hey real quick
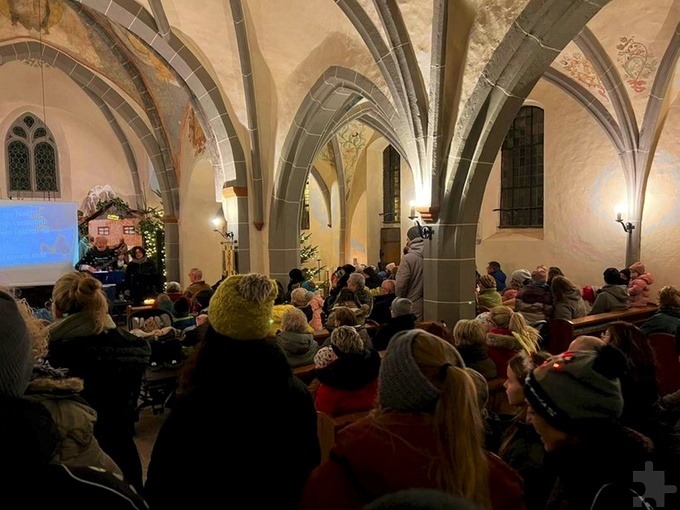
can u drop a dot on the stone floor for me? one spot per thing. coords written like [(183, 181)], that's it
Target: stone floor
[(146, 430)]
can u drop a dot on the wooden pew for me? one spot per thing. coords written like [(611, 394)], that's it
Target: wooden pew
[(328, 427), (666, 356), (563, 331)]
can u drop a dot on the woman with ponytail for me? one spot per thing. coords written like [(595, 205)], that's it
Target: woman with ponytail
[(511, 335), (426, 432), (85, 340)]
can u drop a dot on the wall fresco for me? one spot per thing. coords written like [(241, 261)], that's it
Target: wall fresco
[(637, 61), (579, 67)]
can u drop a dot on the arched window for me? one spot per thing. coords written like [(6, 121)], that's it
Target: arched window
[(391, 185), (522, 171), (31, 156)]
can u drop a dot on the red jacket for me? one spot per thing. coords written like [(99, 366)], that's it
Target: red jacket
[(336, 401), (369, 461)]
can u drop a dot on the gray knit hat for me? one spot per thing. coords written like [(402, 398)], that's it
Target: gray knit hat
[(403, 387), (16, 356)]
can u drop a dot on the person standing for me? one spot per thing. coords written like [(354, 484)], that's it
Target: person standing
[(265, 449), (410, 275)]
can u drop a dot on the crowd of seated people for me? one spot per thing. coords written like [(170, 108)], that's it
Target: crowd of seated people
[(425, 425)]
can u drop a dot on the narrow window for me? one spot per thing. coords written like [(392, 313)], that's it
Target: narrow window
[(522, 171), (304, 221), (391, 185)]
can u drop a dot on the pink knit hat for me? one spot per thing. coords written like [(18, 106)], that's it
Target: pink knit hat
[(638, 268)]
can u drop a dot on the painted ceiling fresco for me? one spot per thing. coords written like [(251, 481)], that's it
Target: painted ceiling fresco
[(170, 98), (352, 138), (60, 26)]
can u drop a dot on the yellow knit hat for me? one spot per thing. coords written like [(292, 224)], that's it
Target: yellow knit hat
[(241, 307)]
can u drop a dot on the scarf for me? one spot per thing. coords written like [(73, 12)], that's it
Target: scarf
[(77, 325)]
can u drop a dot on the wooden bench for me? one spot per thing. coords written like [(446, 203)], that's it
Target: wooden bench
[(563, 331), (666, 356), (328, 427)]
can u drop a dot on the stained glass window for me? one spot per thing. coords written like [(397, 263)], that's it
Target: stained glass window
[(31, 154)]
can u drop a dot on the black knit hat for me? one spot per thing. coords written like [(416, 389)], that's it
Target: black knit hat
[(413, 232), (612, 276)]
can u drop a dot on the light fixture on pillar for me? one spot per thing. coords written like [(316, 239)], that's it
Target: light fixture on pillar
[(229, 258), (426, 232), (628, 227)]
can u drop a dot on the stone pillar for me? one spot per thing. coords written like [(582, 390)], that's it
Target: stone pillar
[(235, 208)]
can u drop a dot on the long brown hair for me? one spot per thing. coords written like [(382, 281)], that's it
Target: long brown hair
[(463, 468), (633, 343)]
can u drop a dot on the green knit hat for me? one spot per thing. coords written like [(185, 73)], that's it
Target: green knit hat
[(241, 308)]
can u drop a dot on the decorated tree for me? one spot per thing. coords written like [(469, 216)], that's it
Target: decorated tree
[(309, 254)]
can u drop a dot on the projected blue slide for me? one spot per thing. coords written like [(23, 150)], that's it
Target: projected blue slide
[(39, 241)]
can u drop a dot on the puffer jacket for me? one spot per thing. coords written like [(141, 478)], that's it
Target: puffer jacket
[(299, 348), (610, 298), (639, 290)]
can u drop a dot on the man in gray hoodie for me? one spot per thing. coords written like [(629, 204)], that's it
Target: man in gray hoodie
[(409, 281), (613, 295)]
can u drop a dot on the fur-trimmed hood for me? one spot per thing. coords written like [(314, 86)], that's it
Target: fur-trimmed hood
[(46, 384), (500, 337)]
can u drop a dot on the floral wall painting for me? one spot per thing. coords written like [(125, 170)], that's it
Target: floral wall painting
[(351, 141), (32, 14), (637, 61), (579, 67)]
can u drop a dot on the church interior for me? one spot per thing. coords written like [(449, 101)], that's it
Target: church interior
[(273, 123)]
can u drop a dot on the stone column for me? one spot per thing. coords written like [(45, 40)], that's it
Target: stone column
[(171, 228)]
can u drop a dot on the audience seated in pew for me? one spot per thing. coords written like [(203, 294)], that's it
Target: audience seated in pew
[(613, 295), (403, 319), (295, 340), (510, 335), (667, 318), (342, 316), (470, 340)]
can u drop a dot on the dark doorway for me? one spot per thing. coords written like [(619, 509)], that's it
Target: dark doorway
[(390, 245)]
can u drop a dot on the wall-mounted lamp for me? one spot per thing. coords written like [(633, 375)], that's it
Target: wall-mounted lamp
[(426, 232), (628, 227)]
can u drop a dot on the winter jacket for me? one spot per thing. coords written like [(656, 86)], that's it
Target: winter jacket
[(299, 348), (571, 306), (316, 303), (638, 289), (112, 365), (409, 282), (370, 460), (534, 302), (74, 419), (596, 472), (257, 455), (477, 358), (392, 327), (381, 308), (610, 298), (489, 298), (666, 320), (500, 278)]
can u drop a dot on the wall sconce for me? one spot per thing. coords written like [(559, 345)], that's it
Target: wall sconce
[(426, 232), (628, 227), (413, 214)]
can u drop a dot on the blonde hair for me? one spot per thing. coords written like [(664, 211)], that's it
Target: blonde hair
[(505, 317), (468, 332), (669, 297), (462, 468), (79, 292), (347, 339), (294, 320)]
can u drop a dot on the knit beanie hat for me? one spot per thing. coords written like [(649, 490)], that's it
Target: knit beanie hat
[(575, 390), (241, 307), (638, 267), (324, 357), (520, 276), (16, 356), (403, 387), (487, 281), (413, 232), (612, 276)]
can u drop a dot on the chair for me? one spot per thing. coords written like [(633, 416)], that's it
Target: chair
[(666, 355), (160, 379), (543, 330)]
